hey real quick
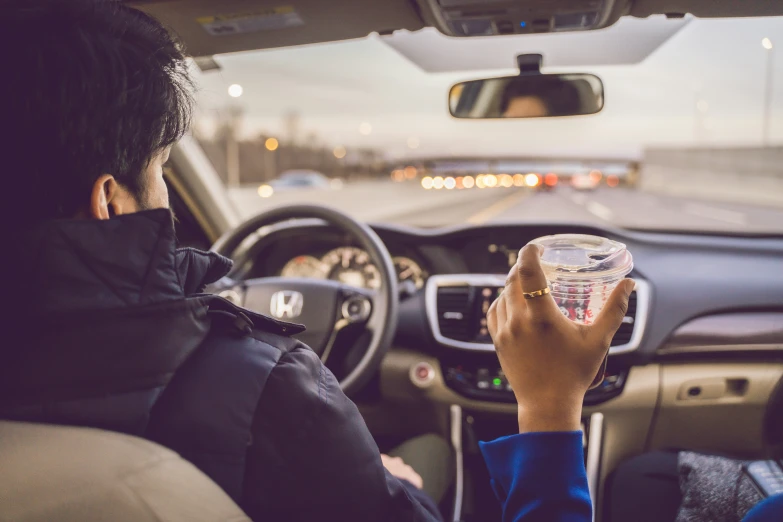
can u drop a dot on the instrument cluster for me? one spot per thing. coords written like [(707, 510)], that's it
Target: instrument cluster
[(352, 266)]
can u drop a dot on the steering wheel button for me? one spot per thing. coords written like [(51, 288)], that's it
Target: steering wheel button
[(356, 309)]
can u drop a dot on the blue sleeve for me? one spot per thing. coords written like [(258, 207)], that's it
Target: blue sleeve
[(539, 477), (769, 510)]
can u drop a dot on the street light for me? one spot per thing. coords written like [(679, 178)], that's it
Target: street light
[(270, 163), (766, 43)]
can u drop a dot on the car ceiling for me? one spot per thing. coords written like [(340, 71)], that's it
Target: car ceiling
[(334, 20)]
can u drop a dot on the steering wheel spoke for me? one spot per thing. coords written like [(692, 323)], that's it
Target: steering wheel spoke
[(355, 309)]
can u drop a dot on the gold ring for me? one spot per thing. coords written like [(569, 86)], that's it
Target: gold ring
[(537, 293)]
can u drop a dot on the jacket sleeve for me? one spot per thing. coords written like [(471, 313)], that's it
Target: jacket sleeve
[(539, 477), (312, 457), (768, 510)]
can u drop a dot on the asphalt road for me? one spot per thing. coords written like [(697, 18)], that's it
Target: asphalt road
[(408, 203)]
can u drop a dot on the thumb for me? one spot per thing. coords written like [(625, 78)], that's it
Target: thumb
[(611, 317)]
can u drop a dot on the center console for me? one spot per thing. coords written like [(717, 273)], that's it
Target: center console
[(468, 427), (457, 306), (481, 378)]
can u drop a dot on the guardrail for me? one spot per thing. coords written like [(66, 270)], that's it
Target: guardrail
[(746, 175)]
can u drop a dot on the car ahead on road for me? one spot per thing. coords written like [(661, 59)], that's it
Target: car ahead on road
[(583, 182), (549, 182), (303, 179), (696, 364)]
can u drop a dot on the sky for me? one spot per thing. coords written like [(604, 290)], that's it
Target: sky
[(703, 86)]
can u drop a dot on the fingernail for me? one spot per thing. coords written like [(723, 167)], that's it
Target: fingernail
[(630, 286)]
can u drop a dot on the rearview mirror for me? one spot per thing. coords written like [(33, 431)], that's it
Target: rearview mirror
[(527, 96)]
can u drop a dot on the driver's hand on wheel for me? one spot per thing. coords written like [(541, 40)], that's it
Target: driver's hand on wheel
[(397, 467), (549, 360)]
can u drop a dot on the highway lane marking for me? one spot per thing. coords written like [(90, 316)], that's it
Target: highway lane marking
[(718, 214), (602, 211), (496, 208)]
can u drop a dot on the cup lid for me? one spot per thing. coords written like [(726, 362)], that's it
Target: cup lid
[(584, 257)]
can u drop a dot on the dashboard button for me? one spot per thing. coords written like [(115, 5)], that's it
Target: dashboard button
[(422, 374)]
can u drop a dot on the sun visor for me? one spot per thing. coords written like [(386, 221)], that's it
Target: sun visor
[(629, 41)]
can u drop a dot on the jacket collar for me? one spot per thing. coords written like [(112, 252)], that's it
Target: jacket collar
[(125, 261)]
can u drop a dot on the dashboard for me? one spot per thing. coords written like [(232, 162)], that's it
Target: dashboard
[(683, 277), (329, 255)]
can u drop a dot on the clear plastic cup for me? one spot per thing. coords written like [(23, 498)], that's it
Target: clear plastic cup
[(582, 271)]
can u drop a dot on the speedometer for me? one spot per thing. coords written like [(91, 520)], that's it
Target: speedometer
[(409, 270), (307, 267), (353, 267)]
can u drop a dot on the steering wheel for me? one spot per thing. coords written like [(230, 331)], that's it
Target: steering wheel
[(325, 307)]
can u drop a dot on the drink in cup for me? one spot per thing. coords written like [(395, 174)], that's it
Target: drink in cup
[(582, 271)]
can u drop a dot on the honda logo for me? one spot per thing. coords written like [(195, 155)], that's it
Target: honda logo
[(286, 304)]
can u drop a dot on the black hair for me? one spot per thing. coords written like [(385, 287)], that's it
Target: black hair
[(90, 87), (558, 96)]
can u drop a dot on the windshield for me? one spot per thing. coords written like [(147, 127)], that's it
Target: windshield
[(691, 138)]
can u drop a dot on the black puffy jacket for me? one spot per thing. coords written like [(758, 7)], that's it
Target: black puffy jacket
[(113, 332)]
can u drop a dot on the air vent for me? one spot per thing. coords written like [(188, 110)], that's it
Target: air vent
[(624, 333), (454, 304), (453, 310)]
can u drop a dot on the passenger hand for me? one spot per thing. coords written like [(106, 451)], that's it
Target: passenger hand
[(549, 360), (399, 469)]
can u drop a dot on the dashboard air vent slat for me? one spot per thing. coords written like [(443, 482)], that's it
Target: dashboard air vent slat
[(624, 333), (454, 311)]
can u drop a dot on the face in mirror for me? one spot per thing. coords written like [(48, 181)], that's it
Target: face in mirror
[(527, 96)]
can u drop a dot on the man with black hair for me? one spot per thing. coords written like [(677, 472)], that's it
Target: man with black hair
[(108, 326)]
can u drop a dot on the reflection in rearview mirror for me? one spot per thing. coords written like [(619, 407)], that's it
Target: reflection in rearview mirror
[(527, 96)]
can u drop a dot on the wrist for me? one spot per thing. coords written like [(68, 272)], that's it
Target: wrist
[(566, 416)]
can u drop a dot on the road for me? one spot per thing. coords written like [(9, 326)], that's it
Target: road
[(408, 203)]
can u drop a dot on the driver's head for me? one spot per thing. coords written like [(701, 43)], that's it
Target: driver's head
[(538, 96), (525, 106), (93, 95)]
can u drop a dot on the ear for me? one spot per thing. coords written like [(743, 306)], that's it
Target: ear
[(103, 200)]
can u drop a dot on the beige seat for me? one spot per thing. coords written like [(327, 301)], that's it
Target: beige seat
[(63, 474)]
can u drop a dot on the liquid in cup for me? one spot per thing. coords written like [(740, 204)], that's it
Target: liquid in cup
[(582, 271)]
